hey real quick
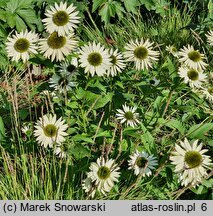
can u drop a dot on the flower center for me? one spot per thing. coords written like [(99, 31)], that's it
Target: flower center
[(63, 82), (113, 59), (60, 18), (50, 130), (193, 159), (141, 53), (193, 74), (210, 90), (56, 42), (141, 162), (21, 45), (194, 56), (103, 173), (71, 68), (152, 82), (95, 59), (174, 49), (129, 115)]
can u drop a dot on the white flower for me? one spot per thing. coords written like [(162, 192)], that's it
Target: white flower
[(104, 174), (61, 19), (141, 53), (94, 58), (208, 93), (192, 58), (142, 163), (89, 187), (69, 67), (117, 63), (128, 116), (190, 162), (209, 36), (62, 82), (49, 131), (60, 151), (173, 50), (56, 47), (192, 76), (21, 45), (25, 129)]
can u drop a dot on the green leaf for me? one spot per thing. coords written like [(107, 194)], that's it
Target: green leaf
[(104, 134), (101, 102), (148, 4), (169, 174), (199, 131), (79, 151), (2, 130), (210, 9), (2, 15), (73, 105), (176, 124), (107, 11), (20, 24), (130, 5), (11, 20), (82, 137), (96, 4), (119, 10)]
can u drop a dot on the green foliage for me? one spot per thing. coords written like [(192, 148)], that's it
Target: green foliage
[(2, 130), (109, 9), (20, 14)]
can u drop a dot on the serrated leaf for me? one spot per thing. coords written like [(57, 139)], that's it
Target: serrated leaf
[(176, 124), (199, 131), (28, 15)]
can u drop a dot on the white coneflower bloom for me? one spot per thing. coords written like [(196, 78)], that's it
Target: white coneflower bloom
[(117, 63), (61, 19), (94, 58), (104, 174), (190, 162), (141, 53), (142, 163), (69, 67), (192, 76), (128, 116), (209, 36), (89, 187), (62, 82), (55, 47), (154, 81), (25, 129), (173, 50), (208, 93), (192, 58), (49, 130), (21, 45), (60, 151)]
